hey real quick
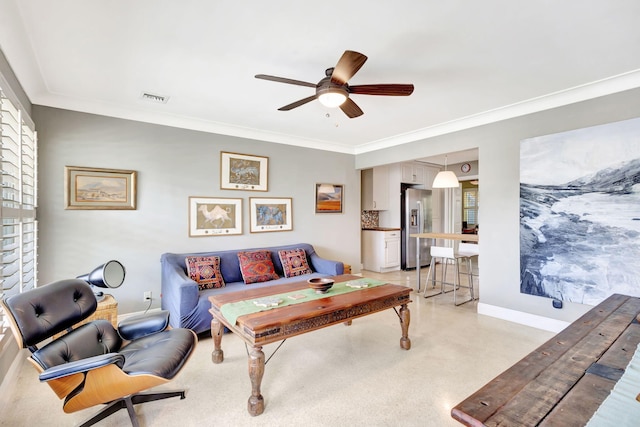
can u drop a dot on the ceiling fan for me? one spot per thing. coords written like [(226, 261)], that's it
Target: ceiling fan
[(333, 90)]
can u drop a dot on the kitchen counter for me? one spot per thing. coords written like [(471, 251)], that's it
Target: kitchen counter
[(382, 229), (447, 236)]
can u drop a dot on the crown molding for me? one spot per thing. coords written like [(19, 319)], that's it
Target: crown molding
[(607, 86)]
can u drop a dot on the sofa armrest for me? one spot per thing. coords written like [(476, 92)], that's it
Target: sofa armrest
[(179, 293), (326, 266)]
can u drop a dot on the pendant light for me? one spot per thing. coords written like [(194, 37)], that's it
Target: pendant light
[(445, 178)]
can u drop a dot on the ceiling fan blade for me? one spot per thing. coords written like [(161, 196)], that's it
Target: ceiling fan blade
[(297, 103), (349, 64), (383, 89), (285, 80), (351, 109)]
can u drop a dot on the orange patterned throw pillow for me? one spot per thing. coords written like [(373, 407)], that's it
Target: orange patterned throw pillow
[(205, 270), (294, 262), (256, 266)]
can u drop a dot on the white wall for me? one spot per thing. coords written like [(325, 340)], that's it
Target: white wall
[(6, 74), (172, 165), (499, 160)]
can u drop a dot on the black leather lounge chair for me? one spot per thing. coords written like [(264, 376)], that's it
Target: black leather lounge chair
[(95, 364)]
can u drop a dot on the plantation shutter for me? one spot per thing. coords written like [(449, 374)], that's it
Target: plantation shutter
[(18, 254)]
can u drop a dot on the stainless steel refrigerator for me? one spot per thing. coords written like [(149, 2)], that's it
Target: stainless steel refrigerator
[(416, 217)]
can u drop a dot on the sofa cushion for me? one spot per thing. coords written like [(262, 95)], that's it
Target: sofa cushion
[(256, 266), (205, 271), (294, 262)]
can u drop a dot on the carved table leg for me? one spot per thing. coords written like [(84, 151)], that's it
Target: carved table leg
[(255, 406), (216, 333), (405, 317)]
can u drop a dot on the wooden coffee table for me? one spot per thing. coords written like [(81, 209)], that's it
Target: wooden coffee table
[(280, 323)]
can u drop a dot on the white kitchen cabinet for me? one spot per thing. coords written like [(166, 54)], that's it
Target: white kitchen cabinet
[(413, 173), (392, 250), (375, 189), (381, 250), (429, 175)]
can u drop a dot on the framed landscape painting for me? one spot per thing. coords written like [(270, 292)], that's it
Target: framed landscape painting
[(329, 198), (243, 172), (270, 214), (214, 216), (95, 188)]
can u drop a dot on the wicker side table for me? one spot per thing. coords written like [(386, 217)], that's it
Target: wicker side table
[(107, 310)]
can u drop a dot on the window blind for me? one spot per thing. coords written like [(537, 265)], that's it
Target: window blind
[(18, 253), (470, 206)]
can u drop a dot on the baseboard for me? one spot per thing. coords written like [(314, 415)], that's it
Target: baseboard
[(121, 317), (522, 318)]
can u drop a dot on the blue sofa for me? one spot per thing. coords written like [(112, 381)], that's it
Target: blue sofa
[(189, 307)]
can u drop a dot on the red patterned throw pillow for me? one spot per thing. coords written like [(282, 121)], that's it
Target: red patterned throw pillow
[(205, 270), (294, 262), (256, 266)]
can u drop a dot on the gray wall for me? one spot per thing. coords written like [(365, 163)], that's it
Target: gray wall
[(499, 160), (172, 165)]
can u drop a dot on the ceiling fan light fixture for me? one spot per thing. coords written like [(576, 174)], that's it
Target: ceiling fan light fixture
[(334, 90), (332, 98)]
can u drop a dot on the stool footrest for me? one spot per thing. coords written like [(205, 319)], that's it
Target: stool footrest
[(444, 256)]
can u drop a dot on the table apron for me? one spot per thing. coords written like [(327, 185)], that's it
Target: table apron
[(301, 326)]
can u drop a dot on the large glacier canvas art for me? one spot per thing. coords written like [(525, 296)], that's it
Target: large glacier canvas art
[(580, 213)]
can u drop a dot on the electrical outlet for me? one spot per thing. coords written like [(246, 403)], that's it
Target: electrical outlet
[(147, 296)]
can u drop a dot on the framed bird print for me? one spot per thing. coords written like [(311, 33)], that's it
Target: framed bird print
[(214, 216), (270, 214), (243, 172)]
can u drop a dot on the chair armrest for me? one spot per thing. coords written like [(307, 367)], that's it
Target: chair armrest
[(326, 266), (135, 327), (83, 365)]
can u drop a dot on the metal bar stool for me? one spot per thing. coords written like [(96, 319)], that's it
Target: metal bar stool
[(445, 254), (469, 251)]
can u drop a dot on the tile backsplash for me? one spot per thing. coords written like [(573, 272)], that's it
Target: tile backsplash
[(370, 219)]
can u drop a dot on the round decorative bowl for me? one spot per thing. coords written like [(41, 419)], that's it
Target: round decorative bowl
[(320, 284)]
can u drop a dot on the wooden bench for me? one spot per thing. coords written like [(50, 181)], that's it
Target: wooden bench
[(564, 381)]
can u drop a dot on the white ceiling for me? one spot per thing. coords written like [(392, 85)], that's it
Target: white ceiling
[(472, 62)]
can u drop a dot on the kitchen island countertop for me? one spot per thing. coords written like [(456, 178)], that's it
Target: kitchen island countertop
[(381, 229)]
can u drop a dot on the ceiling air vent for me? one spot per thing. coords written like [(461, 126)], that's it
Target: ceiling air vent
[(160, 99)]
